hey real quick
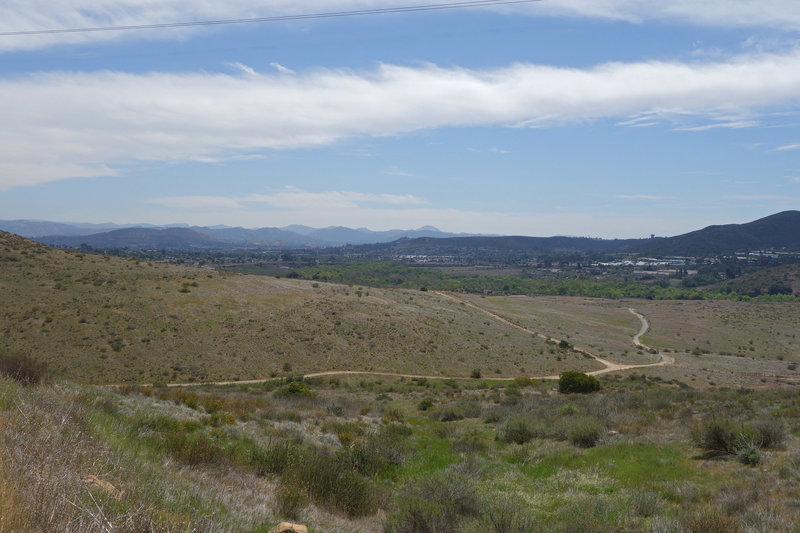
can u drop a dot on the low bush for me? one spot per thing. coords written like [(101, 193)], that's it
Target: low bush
[(748, 450), (583, 432), (771, 433), (518, 431), (291, 498), (273, 459), (332, 482), (434, 505), (22, 369), (573, 381), (710, 520), (716, 435), (295, 389), (505, 515)]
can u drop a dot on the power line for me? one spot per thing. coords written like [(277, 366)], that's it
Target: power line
[(277, 18)]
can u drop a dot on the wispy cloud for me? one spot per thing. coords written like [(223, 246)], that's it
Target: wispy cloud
[(280, 68), (756, 197), (789, 147), (242, 67), (197, 202), (397, 171), (291, 198), (91, 121), (717, 125), (639, 197), (20, 15)]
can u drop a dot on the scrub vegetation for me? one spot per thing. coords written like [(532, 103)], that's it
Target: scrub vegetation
[(92, 438), (363, 455)]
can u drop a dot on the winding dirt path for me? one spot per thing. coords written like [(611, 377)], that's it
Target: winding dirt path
[(609, 366)]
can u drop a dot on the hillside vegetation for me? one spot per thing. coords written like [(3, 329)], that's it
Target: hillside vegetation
[(707, 443), (102, 319)]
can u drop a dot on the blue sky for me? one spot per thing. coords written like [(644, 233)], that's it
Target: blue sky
[(604, 118)]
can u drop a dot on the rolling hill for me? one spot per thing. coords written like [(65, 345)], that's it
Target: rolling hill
[(780, 231), (97, 319)]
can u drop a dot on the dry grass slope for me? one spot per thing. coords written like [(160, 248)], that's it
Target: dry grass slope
[(101, 319)]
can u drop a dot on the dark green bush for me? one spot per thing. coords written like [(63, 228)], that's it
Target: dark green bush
[(573, 381), (295, 389), (22, 369)]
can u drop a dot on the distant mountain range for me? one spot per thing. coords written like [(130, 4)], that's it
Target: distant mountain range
[(778, 232), (182, 236), (775, 232)]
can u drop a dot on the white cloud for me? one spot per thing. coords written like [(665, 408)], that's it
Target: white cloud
[(23, 15), (58, 125), (789, 147)]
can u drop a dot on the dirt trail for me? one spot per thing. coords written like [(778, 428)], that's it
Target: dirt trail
[(609, 366)]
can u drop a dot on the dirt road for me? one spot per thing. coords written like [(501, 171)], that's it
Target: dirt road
[(609, 366)]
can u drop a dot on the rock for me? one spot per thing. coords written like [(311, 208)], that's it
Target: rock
[(288, 527), (94, 481)]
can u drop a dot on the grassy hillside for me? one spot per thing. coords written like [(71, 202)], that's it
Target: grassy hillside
[(783, 279), (101, 319), (352, 455), (681, 448)]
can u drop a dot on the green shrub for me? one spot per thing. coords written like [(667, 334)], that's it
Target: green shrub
[(710, 520), (504, 514), (291, 499), (273, 459), (646, 503), (573, 381), (425, 404), (377, 452), (434, 505), (583, 432), (748, 450), (771, 433), (331, 481), (518, 431), (295, 389), (716, 436), (22, 369), (475, 374)]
